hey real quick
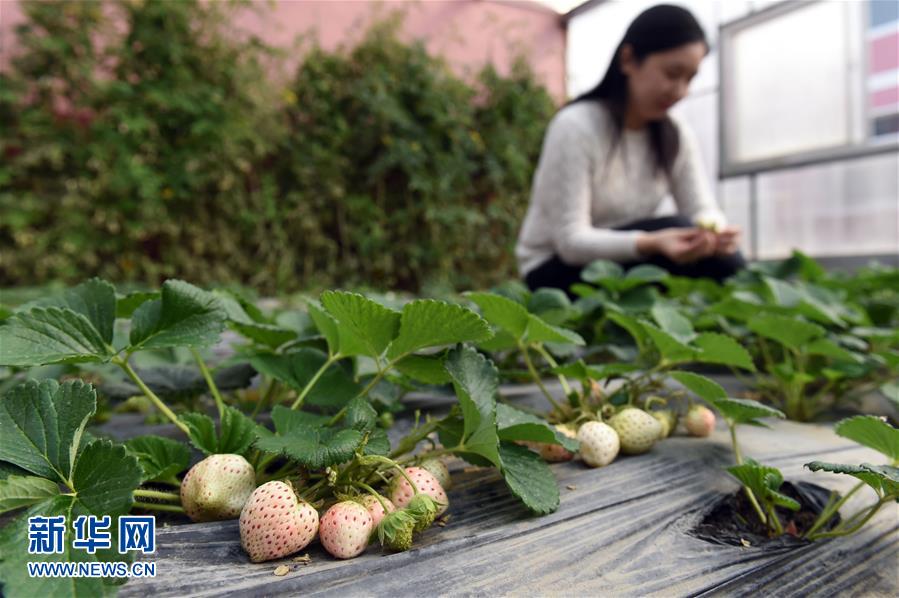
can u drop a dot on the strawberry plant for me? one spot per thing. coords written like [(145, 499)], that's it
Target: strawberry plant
[(327, 446), (761, 483)]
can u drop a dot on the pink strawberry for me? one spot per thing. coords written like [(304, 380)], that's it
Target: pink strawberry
[(375, 509), (345, 529), (401, 492), (700, 421), (217, 487), (275, 523)]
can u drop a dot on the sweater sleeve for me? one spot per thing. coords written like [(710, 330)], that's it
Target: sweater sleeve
[(689, 185), (563, 186)]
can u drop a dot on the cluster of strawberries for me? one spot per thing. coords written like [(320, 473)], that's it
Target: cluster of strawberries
[(275, 522)]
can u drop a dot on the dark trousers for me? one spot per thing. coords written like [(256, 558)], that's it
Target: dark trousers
[(557, 274)]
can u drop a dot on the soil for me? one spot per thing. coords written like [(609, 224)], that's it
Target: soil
[(734, 522)]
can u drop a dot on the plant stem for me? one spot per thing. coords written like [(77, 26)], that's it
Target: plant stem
[(299, 402), (774, 521), (151, 395), (552, 363), (829, 512), (536, 377), (414, 437), (372, 491), (144, 493), (871, 511), (738, 456), (219, 402), (157, 507), (266, 399)]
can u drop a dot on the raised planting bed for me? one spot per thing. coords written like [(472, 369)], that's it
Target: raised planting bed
[(625, 529)]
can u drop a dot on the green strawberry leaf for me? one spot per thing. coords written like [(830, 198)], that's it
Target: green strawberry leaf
[(828, 348), (326, 325), (787, 331), (184, 315), (315, 448), (882, 478), (504, 313), (334, 388), (365, 327), (764, 481), (287, 420), (720, 349), (45, 335), (360, 415), (551, 305), (428, 323), (745, 411), (94, 299), (514, 424), (23, 491), (671, 349), (236, 433), (706, 389), (539, 331), (103, 480), (872, 432), (127, 304), (603, 272), (529, 478), (201, 431), (673, 322), (476, 381), (266, 334), (161, 459), (42, 424), (424, 368), (378, 443), (632, 326), (642, 274)]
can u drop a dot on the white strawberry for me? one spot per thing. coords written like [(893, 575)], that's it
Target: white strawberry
[(438, 469), (375, 509), (275, 523), (637, 430), (345, 529), (401, 492), (700, 421), (668, 419), (217, 487), (599, 443)]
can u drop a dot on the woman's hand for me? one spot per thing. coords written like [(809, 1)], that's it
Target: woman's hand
[(727, 241), (680, 245)]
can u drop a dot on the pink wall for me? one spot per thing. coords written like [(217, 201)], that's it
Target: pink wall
[(467, 33)]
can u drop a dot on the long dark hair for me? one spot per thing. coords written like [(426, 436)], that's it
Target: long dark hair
[(656, 29)]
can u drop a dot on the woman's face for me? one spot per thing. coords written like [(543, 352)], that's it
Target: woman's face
[(661, 80)]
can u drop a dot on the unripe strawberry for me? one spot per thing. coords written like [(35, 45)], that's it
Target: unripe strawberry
[(700, 421), (395, 531), (401, 492), (599, 443), (375, 509), (275, 523), (637, 430), (217, 487), (345, 529), (437, 468), (668, 419)]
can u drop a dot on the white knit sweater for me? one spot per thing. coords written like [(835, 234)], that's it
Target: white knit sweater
[(579, 194)]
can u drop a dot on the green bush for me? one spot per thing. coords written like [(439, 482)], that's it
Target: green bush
[(162, 149)]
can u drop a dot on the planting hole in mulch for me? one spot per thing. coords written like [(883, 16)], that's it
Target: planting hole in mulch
[(733, 521)]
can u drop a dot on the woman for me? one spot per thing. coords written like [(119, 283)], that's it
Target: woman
[(609, 158)]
